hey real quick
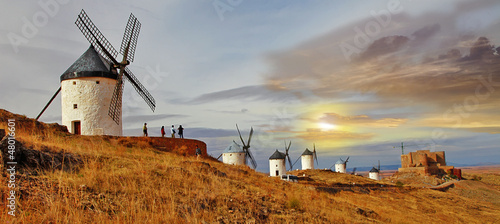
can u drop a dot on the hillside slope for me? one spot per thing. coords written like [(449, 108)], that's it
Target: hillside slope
[(117, 182)]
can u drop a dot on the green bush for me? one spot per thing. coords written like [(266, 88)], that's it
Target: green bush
[(293, 203), (399, 184)]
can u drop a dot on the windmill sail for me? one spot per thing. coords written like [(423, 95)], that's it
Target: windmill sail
[(246, 147), (109, 53)]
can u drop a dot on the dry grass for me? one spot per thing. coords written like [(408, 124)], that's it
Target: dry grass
[(134, 183)]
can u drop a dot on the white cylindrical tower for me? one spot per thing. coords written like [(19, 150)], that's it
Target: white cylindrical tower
[(307, 160), (340, 166), (234, 155), (277, 165), (374, 174), (86, 91)]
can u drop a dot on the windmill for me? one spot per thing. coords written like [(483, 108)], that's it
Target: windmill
[(277, 162), (354, 171), (236, 154), (340, 165), (92, 87), (307, 158), (374, 172)]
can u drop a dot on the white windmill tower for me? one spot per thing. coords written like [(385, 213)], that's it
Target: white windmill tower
[(238, 155), (234, 155), (277, 162), (91, 89), (307, 159), (375, 172), (340, 165)]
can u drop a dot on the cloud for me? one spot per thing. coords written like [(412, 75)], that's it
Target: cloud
[(150, 118), (360, 120), (424, 61), (245, 93), (319, 135)]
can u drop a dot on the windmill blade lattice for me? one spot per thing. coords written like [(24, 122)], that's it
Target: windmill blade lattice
[(116, 100), (140, 89), (95, 37), (130, 36)]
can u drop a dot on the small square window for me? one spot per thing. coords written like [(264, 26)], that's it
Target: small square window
[(96, 82), (74, 82), (75, 106)]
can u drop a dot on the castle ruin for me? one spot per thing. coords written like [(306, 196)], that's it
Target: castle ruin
[(425, 162)]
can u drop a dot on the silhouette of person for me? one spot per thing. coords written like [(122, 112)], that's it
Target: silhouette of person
[(162, 131), (145, 129), (198, 152), (181, 131), (172, 131)]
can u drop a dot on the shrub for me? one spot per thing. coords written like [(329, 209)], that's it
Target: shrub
[(293, 203), (399, 184), (476, 178)]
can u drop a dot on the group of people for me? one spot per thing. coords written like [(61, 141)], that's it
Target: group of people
[(180, 130), (172, 132)]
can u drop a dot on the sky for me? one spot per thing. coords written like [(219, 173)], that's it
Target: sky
[(348, 78)]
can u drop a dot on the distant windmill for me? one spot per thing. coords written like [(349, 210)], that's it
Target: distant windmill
[(92, 87), (374, 172), (307, 158), (277, 161), (239, 155), (340, 165), (354, 171)]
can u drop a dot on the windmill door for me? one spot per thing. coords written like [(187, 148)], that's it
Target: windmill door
[(77, 128)]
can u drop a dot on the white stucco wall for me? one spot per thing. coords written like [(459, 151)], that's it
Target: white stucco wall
[(93, 102), (277, 165), (307, 162), (234, 158), (340, 168), (373, 175)]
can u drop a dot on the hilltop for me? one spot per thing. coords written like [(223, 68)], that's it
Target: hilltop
[(101, 179)]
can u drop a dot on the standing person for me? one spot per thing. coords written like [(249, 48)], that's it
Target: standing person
[(181, 131), (198, 152), (145, 130), (162, 131), (172, 131)]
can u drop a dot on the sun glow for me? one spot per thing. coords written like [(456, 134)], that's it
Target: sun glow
[(326, 126)]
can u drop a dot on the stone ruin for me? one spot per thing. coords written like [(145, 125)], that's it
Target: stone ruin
[(426, 162)]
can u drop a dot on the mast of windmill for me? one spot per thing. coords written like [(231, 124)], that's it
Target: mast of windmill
[(103, 48), (246, 147)]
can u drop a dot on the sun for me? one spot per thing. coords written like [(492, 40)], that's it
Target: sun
[(326, 126)]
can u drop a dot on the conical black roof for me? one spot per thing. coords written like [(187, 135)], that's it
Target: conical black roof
[(307, 152), (89, 64), (374, 170), (278, 155)]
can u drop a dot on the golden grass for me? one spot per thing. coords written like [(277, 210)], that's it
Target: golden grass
[(138, 184)]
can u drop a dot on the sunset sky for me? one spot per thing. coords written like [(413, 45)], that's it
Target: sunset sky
[(353, 78)]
